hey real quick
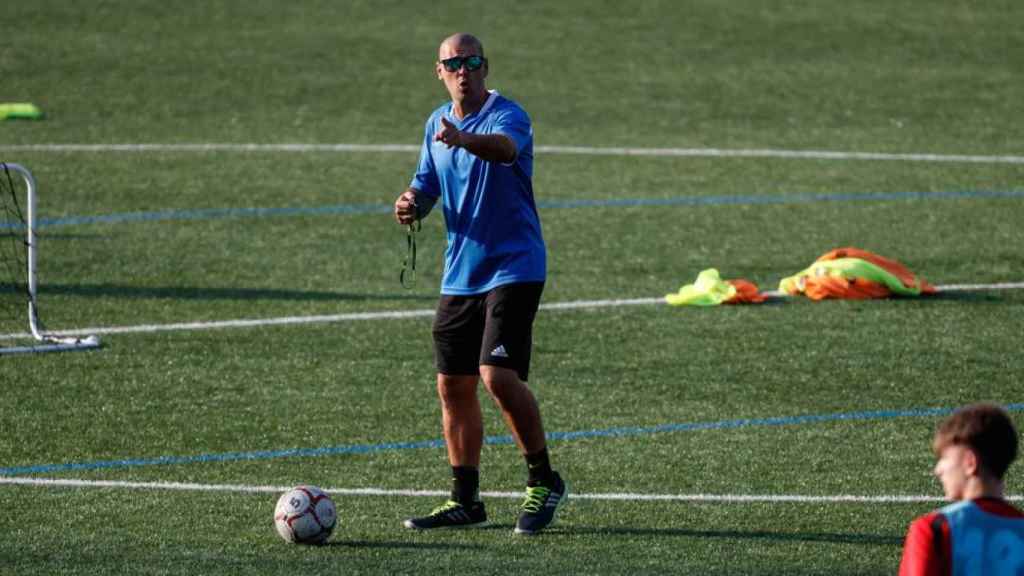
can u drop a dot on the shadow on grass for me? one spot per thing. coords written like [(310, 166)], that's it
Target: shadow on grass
[(963, 297), (211, 293), (966, 296), (365, 544), (435, 545), (833, 538), (44, 235)]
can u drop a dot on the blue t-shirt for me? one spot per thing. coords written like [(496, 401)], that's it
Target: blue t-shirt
[(494, 235)]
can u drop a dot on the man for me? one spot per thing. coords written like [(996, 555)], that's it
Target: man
[(980, 533), (477, 157)]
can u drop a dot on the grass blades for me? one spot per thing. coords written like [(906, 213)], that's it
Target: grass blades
[(790, 398)]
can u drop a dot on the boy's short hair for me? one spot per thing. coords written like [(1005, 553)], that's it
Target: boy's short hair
[(984, 428)]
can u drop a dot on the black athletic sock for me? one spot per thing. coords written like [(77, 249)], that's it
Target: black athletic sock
[(539, 468), (465, 484)]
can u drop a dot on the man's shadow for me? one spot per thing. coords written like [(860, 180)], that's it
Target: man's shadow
[(394, 545), (127, 291), (829, 537), (569, 530), (412, 545)]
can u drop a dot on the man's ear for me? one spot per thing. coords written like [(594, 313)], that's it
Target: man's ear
[(972, 464), (437, 70)]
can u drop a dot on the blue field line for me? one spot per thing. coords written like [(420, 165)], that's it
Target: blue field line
[(490, 440), (215, 214), (725, 200)]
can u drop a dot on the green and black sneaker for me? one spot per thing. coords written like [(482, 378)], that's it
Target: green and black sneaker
[(451, 514), (538, 510)]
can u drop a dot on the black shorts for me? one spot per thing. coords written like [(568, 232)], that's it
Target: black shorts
[(494, 328)]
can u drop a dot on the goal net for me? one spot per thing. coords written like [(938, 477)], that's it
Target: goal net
[(20, 328)]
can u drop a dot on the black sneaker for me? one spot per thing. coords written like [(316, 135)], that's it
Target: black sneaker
[(538, 510), (451, 514)]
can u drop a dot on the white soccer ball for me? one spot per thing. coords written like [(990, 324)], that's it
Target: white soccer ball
[(305, 515)]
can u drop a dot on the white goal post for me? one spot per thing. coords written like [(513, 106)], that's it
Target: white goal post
[(44, 342)]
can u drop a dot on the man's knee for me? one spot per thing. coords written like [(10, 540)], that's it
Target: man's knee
[(455, 389), (500, 382)]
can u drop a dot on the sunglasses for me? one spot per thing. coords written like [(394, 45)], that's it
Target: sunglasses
[(472, 63)]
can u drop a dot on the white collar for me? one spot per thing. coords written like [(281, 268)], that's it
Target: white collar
[(492, 96), (490, 100)]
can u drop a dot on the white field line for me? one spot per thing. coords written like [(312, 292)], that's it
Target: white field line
[(970, 287), (578, 150), (400, 314), (615, 497)]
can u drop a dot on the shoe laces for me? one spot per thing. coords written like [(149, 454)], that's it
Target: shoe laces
[(445, 508), (535, 498)]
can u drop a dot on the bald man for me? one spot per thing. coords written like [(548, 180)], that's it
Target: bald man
[(477, 158)]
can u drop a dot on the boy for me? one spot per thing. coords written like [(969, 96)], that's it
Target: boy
[(980, 533)]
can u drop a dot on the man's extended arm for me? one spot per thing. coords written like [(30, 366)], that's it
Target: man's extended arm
[(490, 147)]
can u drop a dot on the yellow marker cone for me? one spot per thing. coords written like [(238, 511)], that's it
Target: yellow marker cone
[(20, 111), (708, 290)]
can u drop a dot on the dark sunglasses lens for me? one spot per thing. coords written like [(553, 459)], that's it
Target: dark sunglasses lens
[(452, 64)]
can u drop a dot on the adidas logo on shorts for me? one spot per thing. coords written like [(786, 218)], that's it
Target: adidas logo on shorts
[(499, 352)]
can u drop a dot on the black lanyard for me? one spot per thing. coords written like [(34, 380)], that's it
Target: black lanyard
[(409, 264)]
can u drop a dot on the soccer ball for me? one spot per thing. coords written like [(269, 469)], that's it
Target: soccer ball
[(305, 515)]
